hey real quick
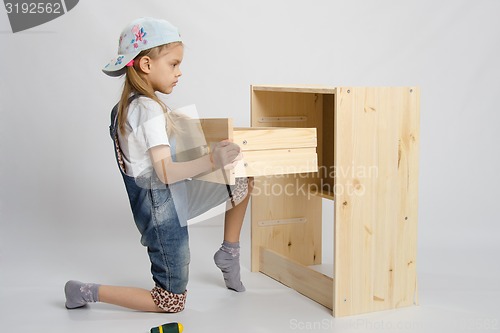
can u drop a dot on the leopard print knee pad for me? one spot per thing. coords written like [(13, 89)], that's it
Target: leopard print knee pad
[(240, 190), (167, 301)]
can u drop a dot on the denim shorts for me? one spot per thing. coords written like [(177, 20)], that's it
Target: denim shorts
[(162, 222)]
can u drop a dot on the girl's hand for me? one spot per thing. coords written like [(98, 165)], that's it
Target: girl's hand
[(226, 155)]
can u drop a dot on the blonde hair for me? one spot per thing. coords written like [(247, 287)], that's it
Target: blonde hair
[(134, 83)]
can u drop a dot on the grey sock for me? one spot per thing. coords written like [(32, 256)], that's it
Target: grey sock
[(78, 294), (228, 260)]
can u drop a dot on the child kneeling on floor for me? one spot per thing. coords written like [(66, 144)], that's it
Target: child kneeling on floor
[(161, 191)]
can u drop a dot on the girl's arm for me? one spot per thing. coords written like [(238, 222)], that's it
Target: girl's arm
[(224, 155), (170, 172)]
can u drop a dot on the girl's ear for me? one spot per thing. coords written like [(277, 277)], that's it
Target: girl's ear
[(145, 64)]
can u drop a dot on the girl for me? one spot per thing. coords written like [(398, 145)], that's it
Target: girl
[(161, 190)]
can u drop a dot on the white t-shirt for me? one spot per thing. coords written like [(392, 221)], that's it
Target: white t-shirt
[(145, 128)]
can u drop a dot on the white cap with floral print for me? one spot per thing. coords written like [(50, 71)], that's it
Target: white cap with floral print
[(141, 34)]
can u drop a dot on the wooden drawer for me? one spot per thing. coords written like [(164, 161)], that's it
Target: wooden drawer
[(267, 151), (276, 151)]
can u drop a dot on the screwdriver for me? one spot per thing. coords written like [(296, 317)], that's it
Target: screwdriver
[(168, 328)]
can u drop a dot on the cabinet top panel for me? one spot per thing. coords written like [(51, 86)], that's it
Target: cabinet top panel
[(303, 88), (313, 88)]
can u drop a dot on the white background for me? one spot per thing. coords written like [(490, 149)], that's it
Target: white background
[(60, 188)]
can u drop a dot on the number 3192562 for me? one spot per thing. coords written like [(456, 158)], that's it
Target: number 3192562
[(33, 8)]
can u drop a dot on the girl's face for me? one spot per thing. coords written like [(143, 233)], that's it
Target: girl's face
[(165, 69)]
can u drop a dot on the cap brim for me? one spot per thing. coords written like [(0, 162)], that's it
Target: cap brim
[(116, 66)]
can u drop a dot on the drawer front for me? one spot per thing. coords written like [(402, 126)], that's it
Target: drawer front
[(277, 162)]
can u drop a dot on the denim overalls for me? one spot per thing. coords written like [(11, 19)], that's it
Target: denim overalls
[(162, 223)]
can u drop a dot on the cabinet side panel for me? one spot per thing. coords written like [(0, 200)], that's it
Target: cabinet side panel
[(408, 170), (376, 156)]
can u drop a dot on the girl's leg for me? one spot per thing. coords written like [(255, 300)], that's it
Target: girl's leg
[(78, 294), (227, 258), (128, 297), (233, 220)]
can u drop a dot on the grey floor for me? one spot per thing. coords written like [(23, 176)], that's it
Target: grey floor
[(459, 287)]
